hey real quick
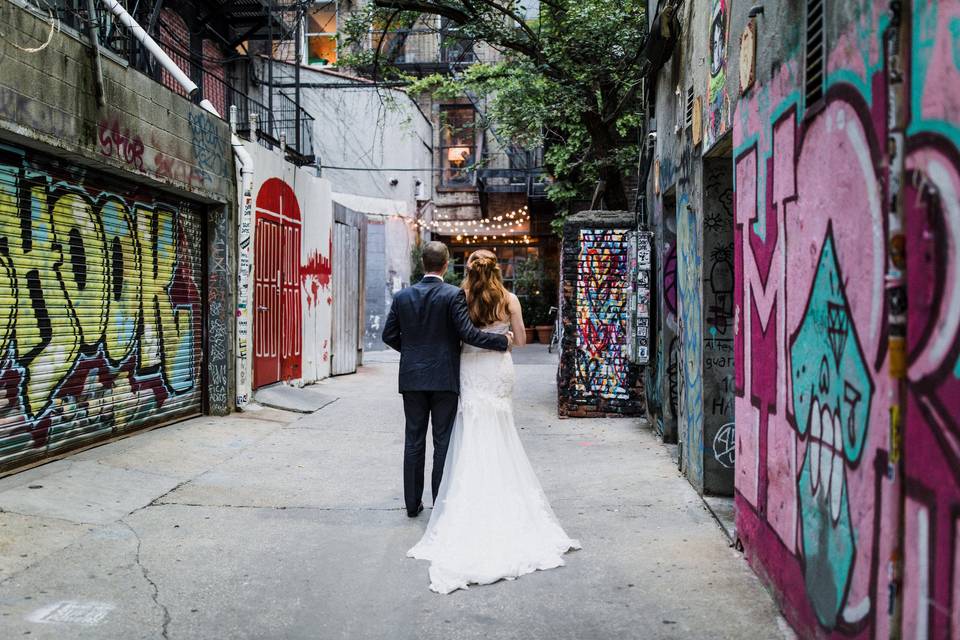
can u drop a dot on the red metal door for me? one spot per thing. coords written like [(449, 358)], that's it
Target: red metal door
[(277, 336), (266, 283), (291, 322)]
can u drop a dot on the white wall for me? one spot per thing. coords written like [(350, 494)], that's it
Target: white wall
[(316, 211)]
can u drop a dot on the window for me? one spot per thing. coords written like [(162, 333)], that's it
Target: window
[(388, 43), (458, 145), (321, 32), (454, 49)]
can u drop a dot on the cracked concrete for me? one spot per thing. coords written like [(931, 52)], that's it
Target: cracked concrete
[(275, 525), (155, 596)]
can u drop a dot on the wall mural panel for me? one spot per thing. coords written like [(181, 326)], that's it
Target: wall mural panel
[(101, 327), (817, 493), (717, 106), (690, 314), (602, 315)]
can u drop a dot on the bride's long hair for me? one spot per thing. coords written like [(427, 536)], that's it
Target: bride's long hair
[(483, 284)]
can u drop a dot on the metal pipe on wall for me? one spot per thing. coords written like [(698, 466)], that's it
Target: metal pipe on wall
[(246, 179)]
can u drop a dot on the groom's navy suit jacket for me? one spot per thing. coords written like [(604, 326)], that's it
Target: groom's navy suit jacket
[(426, 324)]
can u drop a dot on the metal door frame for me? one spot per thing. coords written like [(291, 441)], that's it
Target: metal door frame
[(351, 218)]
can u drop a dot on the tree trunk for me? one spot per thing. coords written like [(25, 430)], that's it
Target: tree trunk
[(615, 191), (603, 144)]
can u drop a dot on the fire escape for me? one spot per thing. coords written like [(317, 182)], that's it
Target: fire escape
[(238, 30)]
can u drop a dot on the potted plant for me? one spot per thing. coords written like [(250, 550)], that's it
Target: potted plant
[(542, 323), (528, 320)]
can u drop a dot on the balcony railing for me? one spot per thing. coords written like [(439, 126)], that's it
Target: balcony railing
[(533, 182)]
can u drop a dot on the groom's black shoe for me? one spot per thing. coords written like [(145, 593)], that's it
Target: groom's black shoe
[(414, 514)]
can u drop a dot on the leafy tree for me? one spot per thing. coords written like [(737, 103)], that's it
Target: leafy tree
[(569, 78)]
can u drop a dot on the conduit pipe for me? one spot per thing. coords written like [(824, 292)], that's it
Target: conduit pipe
[(246, 182)]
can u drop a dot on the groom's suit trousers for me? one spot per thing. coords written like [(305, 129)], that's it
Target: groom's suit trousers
[(421, 408)]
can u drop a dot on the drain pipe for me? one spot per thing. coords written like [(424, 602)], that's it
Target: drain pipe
[(246, 185)]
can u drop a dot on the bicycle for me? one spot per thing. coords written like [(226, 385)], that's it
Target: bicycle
[(557, 335)]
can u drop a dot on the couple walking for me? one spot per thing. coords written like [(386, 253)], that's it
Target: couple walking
[(490, 518)]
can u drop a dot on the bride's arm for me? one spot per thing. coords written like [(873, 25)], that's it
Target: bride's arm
[(516, 321)]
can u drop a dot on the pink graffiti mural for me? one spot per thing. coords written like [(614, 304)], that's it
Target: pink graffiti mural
[(818, 507)]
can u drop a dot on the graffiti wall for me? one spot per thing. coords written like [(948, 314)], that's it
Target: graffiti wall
[(663, 391), (718, 361), (601, 377), (717, 105), (819, 488), (602, 315), (690, 315), (101, 328)]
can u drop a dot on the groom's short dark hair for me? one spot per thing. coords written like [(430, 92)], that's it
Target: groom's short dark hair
[(434, 256)]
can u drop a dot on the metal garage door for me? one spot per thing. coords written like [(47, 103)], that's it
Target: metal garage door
[(101, 321), (346, 298)]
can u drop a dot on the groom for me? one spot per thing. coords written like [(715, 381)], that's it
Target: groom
[(426, 324)]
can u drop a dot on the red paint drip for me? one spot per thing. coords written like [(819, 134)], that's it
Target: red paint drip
[(315, 275)]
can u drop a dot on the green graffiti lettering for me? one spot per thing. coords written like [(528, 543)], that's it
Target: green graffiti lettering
[(166, 337), (148, 228), (8, 289), (123, 259), (47, 333), (84, 272)]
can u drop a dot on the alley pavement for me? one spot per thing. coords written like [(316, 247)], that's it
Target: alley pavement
[(270, 524)]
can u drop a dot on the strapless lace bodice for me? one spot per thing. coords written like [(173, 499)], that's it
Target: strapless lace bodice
[(486, 375), (499, 328)]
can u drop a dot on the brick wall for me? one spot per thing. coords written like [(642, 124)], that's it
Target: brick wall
[(215, 77), (595, 377), (174, 39)]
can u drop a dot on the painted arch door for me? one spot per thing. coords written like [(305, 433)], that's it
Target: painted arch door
[(277, 336)]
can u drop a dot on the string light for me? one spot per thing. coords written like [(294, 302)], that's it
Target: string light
[(493, 227)]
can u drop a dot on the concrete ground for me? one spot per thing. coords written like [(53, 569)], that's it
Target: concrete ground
[(270, 524)]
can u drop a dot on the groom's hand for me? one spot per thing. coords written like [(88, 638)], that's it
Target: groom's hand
[(509, 339)]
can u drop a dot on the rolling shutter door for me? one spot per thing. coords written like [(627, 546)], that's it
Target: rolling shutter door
[(101, 319)]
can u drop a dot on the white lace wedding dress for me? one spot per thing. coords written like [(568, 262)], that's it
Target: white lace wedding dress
[(491, 520)]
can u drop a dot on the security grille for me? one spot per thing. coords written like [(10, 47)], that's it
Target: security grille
[(814, 59)]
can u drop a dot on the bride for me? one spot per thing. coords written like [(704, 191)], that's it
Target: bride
[(491, 519)]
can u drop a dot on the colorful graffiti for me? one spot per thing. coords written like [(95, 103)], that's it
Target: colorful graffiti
[(602, 291), (690, 314), (818, 484), (832, 391), (102, 326), (717, 107)]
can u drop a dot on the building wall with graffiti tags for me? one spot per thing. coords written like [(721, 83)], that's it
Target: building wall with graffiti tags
[(689, 199), (847, 314), (596, 377), (145, 129), (285, 297), (115, 272)]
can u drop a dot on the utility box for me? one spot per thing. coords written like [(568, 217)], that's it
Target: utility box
[(597, 377)]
